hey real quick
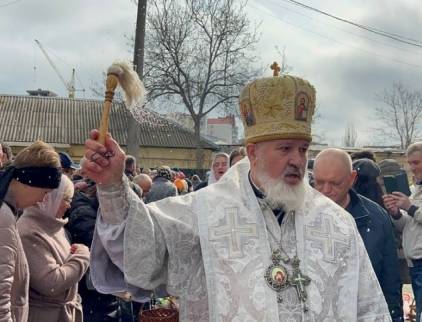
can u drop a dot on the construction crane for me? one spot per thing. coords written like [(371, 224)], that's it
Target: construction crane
[(70, 86)]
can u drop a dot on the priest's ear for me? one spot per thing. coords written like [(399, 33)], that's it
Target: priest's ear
[(251, 150)]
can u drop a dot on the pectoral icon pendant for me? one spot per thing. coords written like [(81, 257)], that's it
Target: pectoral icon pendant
[(278, 278)]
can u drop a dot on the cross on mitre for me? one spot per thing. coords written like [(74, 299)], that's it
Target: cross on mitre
[(275, 68)]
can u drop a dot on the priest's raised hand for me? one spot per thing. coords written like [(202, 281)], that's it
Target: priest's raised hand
[(103, 163)]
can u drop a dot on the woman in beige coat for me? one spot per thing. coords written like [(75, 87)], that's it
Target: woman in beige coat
[(55, 266), (34, 172)]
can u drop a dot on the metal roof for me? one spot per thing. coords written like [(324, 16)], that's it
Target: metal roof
[(69, 121)]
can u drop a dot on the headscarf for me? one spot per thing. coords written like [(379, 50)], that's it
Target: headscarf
[(181, 185), (212, 179), (52, 200), (164, 172), (40, 177)]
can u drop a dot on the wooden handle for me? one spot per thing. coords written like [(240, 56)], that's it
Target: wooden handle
[(111, 84), (104, 122)]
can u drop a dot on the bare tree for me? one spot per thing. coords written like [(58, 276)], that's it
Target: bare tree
[(400, 114), (350, 135), (285, 68), (198, 55)]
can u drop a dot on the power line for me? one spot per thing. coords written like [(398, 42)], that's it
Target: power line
[(347, 31), (399, 38), (9, 3), (339, 42)]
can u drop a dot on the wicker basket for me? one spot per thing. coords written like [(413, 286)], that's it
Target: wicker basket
[(159, 315)]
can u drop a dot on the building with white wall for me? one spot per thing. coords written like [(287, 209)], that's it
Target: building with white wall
[(223, 128)]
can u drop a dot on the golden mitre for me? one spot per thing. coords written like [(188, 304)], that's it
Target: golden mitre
[(278, 107)]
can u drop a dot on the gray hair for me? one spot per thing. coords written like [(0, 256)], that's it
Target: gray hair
[(415, 147)]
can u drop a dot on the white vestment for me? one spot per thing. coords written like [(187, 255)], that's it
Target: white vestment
[(212, 248)]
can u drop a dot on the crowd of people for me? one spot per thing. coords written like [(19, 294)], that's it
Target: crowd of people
[(265, 236), (48, 230)]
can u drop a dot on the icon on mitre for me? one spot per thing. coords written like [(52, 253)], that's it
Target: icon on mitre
[(301, 106), (247, 114)]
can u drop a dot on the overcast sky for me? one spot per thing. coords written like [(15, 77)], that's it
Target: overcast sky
[(348, 66)]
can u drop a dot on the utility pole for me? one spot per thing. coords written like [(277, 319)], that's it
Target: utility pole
[(138, 61)]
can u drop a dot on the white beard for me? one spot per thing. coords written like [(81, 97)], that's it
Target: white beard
[(279, 194)]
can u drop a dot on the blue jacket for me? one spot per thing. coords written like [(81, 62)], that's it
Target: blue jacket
[(376, 230)]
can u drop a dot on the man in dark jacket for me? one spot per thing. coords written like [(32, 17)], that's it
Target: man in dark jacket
[(83, 214), (334, 177)]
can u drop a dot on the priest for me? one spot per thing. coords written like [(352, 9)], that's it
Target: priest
[(259, 245)]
